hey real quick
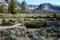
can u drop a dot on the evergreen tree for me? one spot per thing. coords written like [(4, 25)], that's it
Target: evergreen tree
[(12, 7), (24, 6), (3, 9)]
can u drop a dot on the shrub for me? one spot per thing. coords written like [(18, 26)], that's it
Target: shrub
[(34, 25), (58, 23), (4, 22)]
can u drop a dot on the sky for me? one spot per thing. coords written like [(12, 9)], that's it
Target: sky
[(38, 2)]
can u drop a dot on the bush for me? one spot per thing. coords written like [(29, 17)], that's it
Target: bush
[(4, 22), (34, 25), (9, 22), (58, 23)]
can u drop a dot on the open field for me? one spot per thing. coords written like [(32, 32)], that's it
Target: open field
[(22, 15), (28, 14)]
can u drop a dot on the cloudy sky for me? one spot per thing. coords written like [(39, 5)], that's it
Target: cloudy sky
[(37, 2)]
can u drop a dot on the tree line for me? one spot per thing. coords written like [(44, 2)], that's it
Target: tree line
[(12, 7)]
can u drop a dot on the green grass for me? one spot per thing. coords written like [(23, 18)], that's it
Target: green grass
[(21, 15)]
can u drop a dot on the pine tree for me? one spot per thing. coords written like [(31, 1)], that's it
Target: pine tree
[(3, 9), (12, 7), (24, 6)]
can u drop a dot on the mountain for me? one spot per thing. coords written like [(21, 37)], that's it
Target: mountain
[(46, 7), (32, 7), (18, 5)]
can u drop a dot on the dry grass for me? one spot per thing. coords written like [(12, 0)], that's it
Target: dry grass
[(21, 15)]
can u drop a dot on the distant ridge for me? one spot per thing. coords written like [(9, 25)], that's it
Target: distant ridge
[(47, 7)]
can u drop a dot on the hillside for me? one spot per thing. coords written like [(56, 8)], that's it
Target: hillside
[(47, 7)]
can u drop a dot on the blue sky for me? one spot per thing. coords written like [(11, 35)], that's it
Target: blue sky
[(37, 2)]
